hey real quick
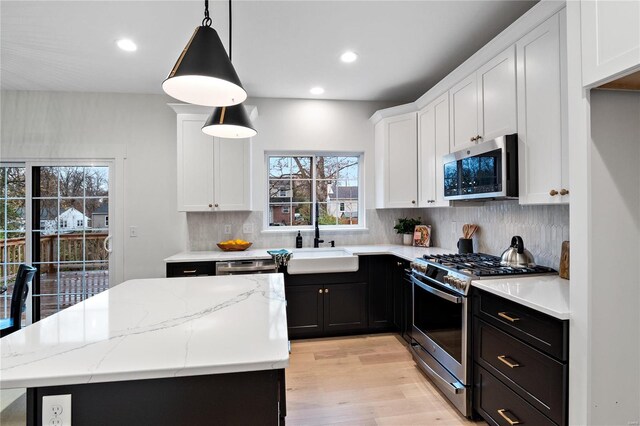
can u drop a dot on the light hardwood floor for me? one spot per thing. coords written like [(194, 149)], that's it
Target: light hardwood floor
[(362, 380), (359, 380)]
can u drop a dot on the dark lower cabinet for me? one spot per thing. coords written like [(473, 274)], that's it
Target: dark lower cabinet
[(402, 298), (345, 307), (190, 269), (305, 310), (521, 366), (324, 310), (381, 271)]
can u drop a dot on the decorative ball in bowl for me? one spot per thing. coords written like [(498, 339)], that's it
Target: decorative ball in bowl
[(234, 245)]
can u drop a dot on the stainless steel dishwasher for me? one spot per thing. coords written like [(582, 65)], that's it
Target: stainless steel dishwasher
[(238, 267)]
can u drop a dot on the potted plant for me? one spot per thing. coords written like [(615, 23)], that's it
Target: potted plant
[(405, 226)]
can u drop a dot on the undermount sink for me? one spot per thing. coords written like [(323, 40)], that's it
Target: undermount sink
[(322, 261)]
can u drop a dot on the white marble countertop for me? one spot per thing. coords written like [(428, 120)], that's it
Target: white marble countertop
[(548, 294), (154, 328), (405, 252)]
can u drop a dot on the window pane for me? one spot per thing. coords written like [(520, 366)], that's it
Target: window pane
[(15, 215), (94, 246), (48, 216), (343, 190), (96, 211), (97, 278), (96, 181), (327, 215), (301, 167), (279, 167), (348, 214), (71, 248), (15, 183), (71, 211), (302, 191), (349, 170), (324, 190), (280, 214), (48, 181), (71, 181), (302, 214), (279, 191)]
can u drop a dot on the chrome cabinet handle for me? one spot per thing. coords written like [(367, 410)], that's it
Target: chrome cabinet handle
[(326, 290), (502, 412), (503, 359), (320, 291), (507, 317), (192, 271), (564, 191)]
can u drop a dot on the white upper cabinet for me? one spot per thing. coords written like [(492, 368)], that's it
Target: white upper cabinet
[(433, 143), (610, 38), (542, 147), (464, 113), (483, 105), (214, 174), (497, 96), (396, 147)]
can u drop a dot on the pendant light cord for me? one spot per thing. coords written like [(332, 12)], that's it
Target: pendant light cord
[(206, 22), (230, 21)]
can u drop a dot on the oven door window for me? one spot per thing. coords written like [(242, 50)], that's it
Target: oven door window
[(481, 173), (440, 320)]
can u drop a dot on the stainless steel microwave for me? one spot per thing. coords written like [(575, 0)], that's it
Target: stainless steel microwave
[(486, 170)]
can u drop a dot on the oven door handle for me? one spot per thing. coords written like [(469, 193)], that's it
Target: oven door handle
[(442, 294)]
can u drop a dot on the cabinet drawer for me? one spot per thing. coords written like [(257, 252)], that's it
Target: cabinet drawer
[(541, 331), (499, 405), (190, 269), (536, 377)]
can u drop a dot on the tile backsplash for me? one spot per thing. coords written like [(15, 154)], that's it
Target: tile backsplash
[(543, 228)]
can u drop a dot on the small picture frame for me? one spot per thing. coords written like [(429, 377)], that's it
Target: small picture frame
[(422, 236)]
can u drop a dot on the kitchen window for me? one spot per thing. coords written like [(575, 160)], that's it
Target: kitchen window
[(298, 184)]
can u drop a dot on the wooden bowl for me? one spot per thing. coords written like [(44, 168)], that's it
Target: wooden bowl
[(234, 247)]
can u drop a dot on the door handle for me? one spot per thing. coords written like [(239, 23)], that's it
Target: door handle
[(107, 246)]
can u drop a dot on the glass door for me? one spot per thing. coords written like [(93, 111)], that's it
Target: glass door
[(70, 235), (13, 196)]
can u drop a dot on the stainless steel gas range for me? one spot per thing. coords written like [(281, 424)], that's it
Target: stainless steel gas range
[(441, 317)]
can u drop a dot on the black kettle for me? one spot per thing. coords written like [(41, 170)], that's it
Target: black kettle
[(516, 256)]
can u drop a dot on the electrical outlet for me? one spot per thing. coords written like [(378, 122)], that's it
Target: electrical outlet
[(133, 231), (56, 410), (227, 229), (247, 228)]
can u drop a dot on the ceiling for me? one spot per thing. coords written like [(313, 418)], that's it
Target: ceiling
[(280, 48)]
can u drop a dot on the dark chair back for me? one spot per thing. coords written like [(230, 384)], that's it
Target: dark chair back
[(19, 296)]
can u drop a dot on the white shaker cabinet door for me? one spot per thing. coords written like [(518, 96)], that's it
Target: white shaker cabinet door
[(610, 39), (463, 98), (195, 168), (232, 174), (433, 143), (396, 162), (497, 96), (541, 147)]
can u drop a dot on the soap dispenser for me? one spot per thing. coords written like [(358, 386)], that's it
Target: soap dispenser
[(299, 240)]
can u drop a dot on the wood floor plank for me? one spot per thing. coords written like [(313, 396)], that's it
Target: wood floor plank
[(362, 380)]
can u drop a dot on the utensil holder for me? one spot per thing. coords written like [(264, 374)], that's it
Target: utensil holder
[(465, 245)]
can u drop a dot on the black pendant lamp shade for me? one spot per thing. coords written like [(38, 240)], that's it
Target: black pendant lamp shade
[(203, 74), (229, 122)]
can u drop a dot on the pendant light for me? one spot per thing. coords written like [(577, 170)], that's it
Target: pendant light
[(229, 121), (203, 74)]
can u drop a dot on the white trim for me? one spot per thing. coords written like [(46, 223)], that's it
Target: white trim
[(179, 108)]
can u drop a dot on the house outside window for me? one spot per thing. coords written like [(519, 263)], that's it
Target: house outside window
[(106, 221), (300, 184), (79, 223)]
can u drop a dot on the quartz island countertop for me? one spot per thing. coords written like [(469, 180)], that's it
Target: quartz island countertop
[(154, 328)]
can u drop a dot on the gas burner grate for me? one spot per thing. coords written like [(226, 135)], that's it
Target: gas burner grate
[(482, 265)]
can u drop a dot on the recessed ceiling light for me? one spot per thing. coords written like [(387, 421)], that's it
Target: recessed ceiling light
[(317, 90), (127, 45), (349, 56)]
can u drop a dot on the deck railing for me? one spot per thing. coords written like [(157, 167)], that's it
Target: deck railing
[(66, 248)]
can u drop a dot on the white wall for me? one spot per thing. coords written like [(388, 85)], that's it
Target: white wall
[(614, 241), (312, 125), (95, 125)]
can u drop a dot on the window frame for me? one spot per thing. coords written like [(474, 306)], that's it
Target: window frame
[(314, 154)]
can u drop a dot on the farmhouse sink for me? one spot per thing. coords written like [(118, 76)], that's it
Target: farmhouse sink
[(322, 261)]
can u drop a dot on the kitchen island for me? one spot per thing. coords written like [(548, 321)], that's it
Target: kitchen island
[(160, 351)]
